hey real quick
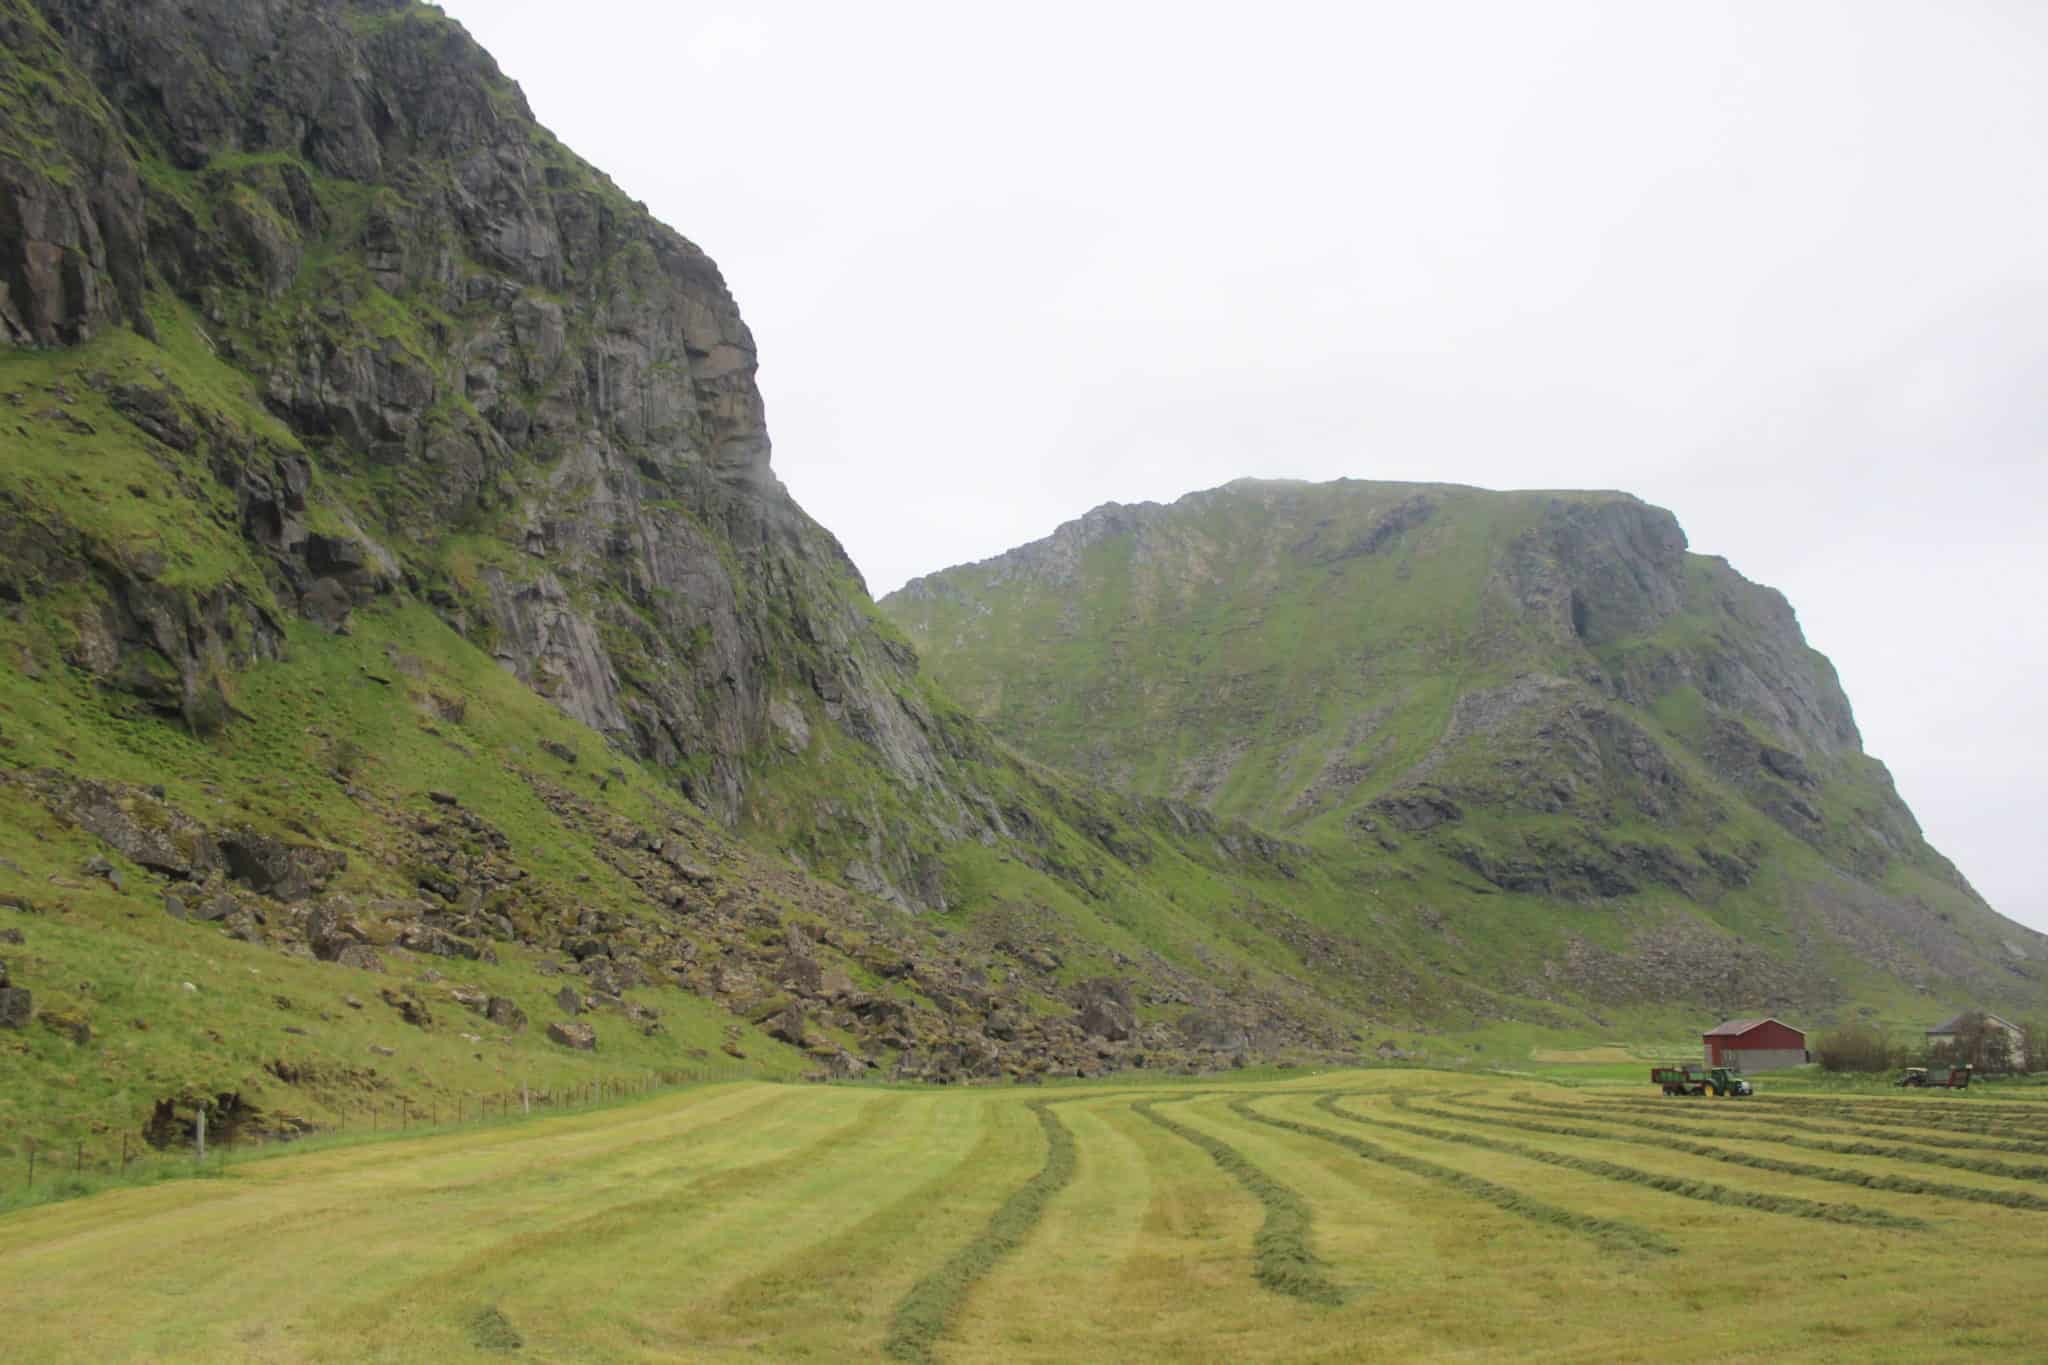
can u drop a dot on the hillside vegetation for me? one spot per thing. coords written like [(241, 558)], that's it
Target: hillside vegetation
[(419, 684), (1478, 697)]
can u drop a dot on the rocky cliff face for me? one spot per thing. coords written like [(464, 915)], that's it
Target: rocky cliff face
[(388, 532), (467, 330)]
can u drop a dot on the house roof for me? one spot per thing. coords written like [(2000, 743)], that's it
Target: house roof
[(1735, 1028), (1956, 1023)]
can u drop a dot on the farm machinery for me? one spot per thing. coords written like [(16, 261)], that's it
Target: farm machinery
[(1936, 1078), (1693, 1080)]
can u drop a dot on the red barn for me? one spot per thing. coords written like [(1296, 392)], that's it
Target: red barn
[(1754, 1045)]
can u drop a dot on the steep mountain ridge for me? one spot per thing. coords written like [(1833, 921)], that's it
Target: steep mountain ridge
[(403, 618), (400, 605), (1546, 693)]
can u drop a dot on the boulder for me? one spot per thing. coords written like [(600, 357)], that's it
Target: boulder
[(603, 977), (17, 1006), (581, 1037), (570, 999), (421, 938), (505, 1014), (214, 908), (1215, 1032), (359, 956), (144, 830), (413, 1011), (787, 1027), (1104, 1009), (274, 868), (470, 998), (329, 929)]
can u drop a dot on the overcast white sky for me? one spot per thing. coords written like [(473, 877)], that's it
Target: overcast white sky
[(1780, 266)]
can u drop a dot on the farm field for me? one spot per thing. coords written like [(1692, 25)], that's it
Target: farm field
[(1334, 1216)]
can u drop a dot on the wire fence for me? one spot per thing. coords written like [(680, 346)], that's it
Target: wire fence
[(206, 1139)]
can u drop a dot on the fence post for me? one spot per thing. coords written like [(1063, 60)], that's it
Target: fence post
[(78, 1157), (31, 1163), (124, 1154), (525, 1098), (200, 1135)]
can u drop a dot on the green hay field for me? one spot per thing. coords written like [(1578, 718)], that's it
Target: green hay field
[(1339, 1216)]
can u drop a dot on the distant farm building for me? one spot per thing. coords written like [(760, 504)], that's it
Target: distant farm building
[(1946, 1035), (1755, 1045)]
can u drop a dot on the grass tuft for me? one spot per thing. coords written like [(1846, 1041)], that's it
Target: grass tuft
[(491, 1330)]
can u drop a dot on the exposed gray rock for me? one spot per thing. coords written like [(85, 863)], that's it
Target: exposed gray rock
[(359, 956), (581, 1037), (274, 868), (1104, 1008)]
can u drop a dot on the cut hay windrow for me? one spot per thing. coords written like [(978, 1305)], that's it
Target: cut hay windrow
[(1934, 1112), (1876, 1132), (921, 1318), (1283, 1260), (1472, 1112), (1926, 1157), (1609, 1231), (1703, 1190)]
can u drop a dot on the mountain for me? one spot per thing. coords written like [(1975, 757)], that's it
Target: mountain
[(414, 662), (1533, 698), (399, 602)]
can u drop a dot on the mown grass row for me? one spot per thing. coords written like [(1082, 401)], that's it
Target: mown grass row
[(1609, 1231), (1876, 1132), (921, 1318), (1470, 1111), (1931, 1113), (1924, 1156), (1283, 1259), (1704, 1190)]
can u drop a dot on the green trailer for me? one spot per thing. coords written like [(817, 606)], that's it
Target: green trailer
[(1718, 1081), (1937, 1077)]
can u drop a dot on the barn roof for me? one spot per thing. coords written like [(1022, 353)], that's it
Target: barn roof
[(1956, 1023), (1735, 1028)]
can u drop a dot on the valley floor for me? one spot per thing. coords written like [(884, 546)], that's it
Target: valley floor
[(1341, 1216)]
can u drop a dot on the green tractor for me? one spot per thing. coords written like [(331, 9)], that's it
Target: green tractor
[(1692, 1080)]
